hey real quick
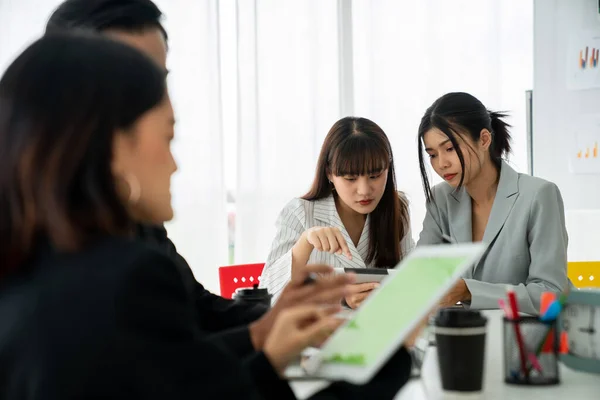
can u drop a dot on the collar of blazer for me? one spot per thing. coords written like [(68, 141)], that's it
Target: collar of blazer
[(459, 209), (325, 211)]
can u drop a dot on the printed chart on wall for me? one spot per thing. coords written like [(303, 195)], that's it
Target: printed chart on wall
[(584, 157), (583, 66)]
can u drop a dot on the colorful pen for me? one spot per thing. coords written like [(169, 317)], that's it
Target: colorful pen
[(512, 301)]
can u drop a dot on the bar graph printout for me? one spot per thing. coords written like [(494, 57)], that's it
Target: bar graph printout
[(584, 152), (582, 60)]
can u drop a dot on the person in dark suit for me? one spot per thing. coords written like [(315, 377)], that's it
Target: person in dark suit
[(138, 23), (88, 309)]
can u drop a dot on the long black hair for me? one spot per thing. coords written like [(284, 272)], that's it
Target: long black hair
[(62, 101), (460, 113), (358, 146)]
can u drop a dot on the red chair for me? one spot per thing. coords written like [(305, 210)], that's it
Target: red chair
[(232, 277)]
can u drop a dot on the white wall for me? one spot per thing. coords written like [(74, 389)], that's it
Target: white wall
[(21, 23), (199, 229), (407, 54), (556, 110)]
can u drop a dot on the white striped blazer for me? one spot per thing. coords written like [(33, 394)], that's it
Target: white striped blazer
[(298, 216)]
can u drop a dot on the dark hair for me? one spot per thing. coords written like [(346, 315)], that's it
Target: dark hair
[(458, 114), (61, 103), (358, 146), (100, 15)]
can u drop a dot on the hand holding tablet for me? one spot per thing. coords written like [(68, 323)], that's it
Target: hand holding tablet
[(295, 329), (389, 317), (359, 292), (367, 279)]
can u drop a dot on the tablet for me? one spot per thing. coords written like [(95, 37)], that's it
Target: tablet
[(366, 274), (360, 347)]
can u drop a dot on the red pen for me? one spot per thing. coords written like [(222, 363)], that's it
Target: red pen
[(512, 301)]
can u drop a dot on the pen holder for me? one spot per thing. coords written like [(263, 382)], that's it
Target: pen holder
[(536, 361)]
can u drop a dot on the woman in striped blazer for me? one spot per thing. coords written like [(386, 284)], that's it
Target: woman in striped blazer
[(352, 217)]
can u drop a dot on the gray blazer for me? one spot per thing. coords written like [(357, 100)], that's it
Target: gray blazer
[(526, 235)]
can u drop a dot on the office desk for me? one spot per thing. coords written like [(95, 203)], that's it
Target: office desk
[(574, 385)]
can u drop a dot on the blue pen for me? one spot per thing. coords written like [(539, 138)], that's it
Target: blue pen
[(551, 314)]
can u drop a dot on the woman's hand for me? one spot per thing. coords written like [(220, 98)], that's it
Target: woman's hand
[(328, 239), (359, 292), (297, 328), (328, 289), (417, 331), (459, 292)]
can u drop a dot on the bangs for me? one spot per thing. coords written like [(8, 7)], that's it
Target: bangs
[(359, 155)]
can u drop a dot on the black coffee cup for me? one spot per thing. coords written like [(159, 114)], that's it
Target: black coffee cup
[(460, 341), (253, 295)]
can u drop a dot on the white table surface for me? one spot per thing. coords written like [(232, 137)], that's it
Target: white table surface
[(574, 385)]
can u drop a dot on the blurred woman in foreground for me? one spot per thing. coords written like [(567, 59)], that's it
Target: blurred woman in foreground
[(87, 311)]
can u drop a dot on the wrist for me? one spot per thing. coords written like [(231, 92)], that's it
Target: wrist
[(304, 243), (466, 292), (302, 249), (257, 333), (275, 360)]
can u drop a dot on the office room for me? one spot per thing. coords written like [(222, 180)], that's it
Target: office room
[(324, 199)]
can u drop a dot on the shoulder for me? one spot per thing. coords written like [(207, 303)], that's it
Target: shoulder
[(440, 194), (297, 208), (537, 189), (403, 198), (134, 257), (124, 251), (105, 264), (298, 204), (132, 274), (442, 190), (155, 235), (85, 285)]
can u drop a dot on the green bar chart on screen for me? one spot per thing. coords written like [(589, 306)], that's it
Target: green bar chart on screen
[(393, 308)]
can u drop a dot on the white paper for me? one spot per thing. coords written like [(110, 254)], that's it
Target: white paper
[(583, 63), (584, 154)]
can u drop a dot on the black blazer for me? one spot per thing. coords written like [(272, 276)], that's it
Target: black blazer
[(116, 321), (214, 313)]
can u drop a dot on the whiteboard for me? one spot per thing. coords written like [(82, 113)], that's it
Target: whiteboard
[(556, 115), (557, 110)]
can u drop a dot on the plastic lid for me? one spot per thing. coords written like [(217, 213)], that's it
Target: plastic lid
[(458, 317), (253, 292)]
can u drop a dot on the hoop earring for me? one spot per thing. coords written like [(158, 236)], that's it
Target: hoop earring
[(135, 190)]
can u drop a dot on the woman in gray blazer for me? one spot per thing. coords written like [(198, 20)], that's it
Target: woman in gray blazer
[(520, 217)]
